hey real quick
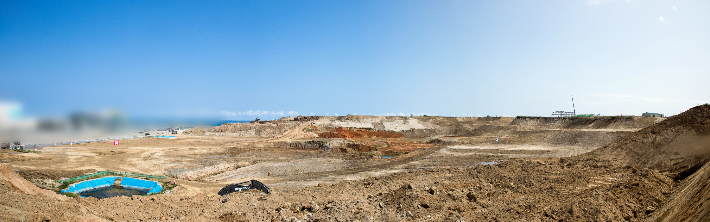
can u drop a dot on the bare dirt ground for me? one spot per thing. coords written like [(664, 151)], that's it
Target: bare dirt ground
[(439, 169)]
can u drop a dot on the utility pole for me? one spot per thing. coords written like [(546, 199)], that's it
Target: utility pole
[(573, 109)]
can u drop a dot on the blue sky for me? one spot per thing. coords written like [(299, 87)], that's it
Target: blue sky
[(243, 59)]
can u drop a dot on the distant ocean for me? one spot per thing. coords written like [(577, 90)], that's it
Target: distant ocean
[(153, 123)]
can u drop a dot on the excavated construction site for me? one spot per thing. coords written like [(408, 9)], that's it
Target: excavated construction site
[(377, 168)]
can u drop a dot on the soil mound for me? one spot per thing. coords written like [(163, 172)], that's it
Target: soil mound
[(360, 148), (21, 185), (595, 122), (52, 174), (261, 129), (691, 202), (679, 145)]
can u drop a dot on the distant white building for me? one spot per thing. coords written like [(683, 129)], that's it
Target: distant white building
[(652, 114)]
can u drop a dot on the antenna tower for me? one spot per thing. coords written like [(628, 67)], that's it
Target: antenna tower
[(573, 109)]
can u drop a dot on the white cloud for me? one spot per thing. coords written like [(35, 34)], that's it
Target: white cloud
[(675, 8), (257, 113), (395, 114), (246, 113), (312, 114), (661, 19)]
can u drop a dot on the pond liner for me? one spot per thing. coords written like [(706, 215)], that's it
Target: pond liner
[(91, 184), (151, 186), (126, 182)]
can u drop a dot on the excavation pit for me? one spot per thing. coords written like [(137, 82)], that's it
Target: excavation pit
[(110, 187)]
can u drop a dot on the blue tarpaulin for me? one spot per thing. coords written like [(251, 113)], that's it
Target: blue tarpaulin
[(127, 182)]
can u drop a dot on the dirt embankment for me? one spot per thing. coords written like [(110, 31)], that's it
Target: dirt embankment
[(350, 126), (512, 135), (19, 184), (391, 135), (691, 201), (596, 122), (346, 133), (261, 129), (52, 174), (679, 145), (413, 127), (679, 148)]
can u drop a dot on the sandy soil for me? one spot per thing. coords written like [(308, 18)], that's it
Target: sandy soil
[(443, 169)]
